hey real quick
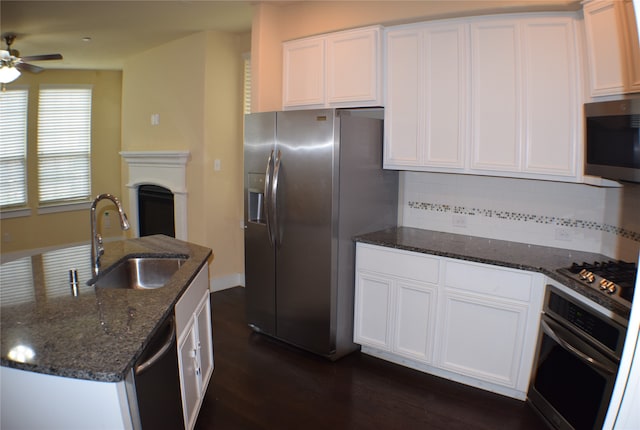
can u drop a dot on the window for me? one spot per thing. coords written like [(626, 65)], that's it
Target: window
[(13, 148), (64, 144), (247, 84)]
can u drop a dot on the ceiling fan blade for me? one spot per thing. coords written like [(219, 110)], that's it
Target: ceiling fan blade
[(42, 57), (29, 68)]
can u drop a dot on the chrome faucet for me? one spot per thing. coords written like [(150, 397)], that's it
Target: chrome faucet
[(97, 248)]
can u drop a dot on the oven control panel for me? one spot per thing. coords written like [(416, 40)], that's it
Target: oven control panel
[(606, 332)]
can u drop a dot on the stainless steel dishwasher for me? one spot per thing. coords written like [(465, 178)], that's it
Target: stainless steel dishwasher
[(157, 381)]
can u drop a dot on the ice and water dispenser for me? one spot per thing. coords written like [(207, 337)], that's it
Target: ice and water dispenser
[(256, 198)]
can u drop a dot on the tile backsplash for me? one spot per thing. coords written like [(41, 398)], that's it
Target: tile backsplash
[(562, 215)]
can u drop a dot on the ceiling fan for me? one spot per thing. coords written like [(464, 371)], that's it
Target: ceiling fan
[(11, 64)]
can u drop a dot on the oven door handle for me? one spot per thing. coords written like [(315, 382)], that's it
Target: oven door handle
[(575, 351)]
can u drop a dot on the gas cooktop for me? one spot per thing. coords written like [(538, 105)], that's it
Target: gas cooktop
[(616, 279)]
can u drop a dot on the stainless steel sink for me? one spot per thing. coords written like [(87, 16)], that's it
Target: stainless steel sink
[(140, 273)]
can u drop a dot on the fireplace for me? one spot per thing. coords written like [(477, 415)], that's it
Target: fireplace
[(155, 170), (155, 211)]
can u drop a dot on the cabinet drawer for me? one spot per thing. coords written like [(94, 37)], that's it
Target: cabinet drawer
[(505, 283), (190, 299), (396, 262)]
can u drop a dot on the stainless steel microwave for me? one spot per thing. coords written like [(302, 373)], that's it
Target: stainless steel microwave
[(613, 139)]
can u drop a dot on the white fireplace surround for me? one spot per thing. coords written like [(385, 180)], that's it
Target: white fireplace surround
[(166, 169)]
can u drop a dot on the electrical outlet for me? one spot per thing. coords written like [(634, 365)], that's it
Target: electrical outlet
[(216, 165), (459, 220), (6, 237), (564, 234)]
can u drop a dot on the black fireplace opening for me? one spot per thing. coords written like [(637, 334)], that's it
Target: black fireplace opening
[(155, 211)]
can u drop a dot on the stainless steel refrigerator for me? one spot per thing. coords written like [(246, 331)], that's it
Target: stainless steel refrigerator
[(313, 179)]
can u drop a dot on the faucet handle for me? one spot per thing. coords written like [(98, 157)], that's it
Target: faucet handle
[(99, 242)]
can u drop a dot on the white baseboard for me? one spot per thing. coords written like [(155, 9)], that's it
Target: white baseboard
[(224, 282)]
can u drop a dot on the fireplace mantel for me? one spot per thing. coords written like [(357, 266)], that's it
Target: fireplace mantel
[(166, 169)]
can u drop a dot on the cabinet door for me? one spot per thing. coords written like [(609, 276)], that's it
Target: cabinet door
[(426, 97), (415, 320), (496, 99), (353, 68), (189, 375), (605, 50), (482, 337), (551, 100), (444, 119), (404, 87), (205, 341), (633, 47), (373, 311), (303, 72)]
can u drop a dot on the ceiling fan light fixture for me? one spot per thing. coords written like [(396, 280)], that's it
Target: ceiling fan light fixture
[(8, 74)]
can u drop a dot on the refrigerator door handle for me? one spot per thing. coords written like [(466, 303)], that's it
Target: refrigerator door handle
[(267, 198), (274, 199)]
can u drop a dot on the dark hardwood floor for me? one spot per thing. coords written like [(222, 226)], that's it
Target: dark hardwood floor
[(259, 383)]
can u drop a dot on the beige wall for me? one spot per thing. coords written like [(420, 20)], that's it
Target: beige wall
[(199, 101), (47, 230), (275, 23)]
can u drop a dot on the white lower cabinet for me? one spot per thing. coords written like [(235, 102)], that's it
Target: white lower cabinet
[(394, 315), (482, 338), (415, 320), (394, 310), (373, 311), (195, 345), (469, 322)]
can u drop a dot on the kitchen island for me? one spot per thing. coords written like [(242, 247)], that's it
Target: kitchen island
[(89, 340)]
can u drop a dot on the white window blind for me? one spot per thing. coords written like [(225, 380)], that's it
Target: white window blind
[(247, 84), (64, 144), (13, 147)]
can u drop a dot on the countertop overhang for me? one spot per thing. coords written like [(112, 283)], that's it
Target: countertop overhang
[(503, 253), (99, 334)]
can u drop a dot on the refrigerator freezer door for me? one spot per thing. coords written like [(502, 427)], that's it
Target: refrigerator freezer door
[(307, 226), (260, 278)]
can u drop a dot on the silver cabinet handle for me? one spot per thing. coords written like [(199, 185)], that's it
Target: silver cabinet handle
[(274, 199), (575, 351), (267, 199)]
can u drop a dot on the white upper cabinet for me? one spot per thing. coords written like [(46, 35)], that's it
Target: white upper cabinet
[(551, 113), (425, 116), (403, 123), (341, 69), (303, 72), (485, 95), (612, 47), (496, 137)]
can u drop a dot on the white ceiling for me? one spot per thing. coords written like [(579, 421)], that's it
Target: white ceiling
[(117, 29)]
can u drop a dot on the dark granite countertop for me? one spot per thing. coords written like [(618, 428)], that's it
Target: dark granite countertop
[(99, 334), (496, 252)]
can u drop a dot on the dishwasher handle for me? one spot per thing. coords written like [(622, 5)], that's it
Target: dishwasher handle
[(139, 369)]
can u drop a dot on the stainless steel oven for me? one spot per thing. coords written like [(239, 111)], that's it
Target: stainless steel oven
[(577, 360)]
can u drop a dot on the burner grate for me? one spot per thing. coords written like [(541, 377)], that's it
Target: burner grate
[(605, 274)]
